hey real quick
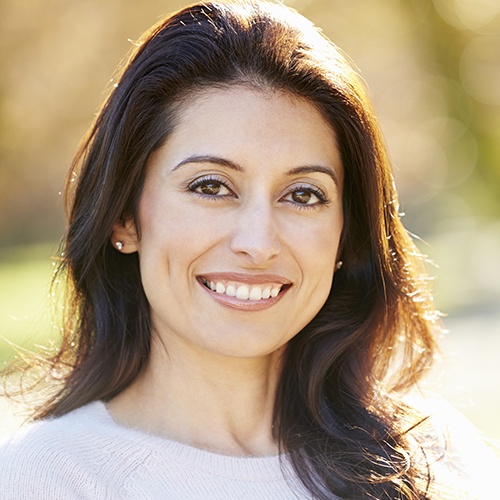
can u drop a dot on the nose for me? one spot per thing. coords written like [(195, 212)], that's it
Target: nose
[(255, 234)]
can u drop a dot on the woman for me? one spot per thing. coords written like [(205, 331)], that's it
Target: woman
[(244, 302)]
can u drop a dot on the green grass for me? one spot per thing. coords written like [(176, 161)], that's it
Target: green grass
[(25, 305)]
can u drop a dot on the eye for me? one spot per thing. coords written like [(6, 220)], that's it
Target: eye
[(210, 186), (306, 197), (302, 196)]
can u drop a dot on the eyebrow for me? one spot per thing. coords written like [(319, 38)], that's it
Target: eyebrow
[(306, 169), (223, 162), (210, 159)]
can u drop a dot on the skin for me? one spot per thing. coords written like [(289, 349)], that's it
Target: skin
[(228, 193)]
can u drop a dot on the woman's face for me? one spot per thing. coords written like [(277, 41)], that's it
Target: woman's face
[(240, 216)]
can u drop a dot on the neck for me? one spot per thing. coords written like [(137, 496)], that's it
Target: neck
[(218, 403)]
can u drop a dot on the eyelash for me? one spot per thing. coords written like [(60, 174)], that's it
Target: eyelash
[(320, 195), (193, 186)]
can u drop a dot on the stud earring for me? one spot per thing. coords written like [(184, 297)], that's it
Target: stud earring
[(119, 245), (338, 265)]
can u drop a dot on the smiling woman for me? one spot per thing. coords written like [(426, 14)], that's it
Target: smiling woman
[(244, 306), (243, 202)]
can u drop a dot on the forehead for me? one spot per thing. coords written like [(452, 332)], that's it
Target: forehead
[(244, 101), (253, 125)]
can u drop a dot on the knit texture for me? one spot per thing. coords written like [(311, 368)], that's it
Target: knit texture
[(87, 455)]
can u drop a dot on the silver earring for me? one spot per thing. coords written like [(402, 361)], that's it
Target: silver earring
[(119, 245), (338, 265)]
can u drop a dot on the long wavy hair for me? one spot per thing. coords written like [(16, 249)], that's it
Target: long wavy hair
[(336, 415)]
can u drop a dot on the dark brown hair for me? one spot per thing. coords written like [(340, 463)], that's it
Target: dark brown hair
[(335, 414)]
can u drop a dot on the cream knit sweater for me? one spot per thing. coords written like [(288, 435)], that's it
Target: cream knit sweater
[(86, 455)]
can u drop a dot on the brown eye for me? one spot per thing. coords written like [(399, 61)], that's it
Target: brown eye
[(305, 197), (301, 196), (210, 188)]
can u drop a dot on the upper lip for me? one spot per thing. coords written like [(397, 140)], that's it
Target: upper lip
[(251, 279)]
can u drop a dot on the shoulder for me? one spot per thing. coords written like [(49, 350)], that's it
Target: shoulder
[(460, 459), (46, 458), (52, 437)]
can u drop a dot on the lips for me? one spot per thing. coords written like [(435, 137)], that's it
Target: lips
[(251, 288)]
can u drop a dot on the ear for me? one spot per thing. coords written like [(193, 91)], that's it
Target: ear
[(124, 237)]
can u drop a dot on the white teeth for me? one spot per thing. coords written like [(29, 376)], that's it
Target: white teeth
[(243, 292), (255, 293)]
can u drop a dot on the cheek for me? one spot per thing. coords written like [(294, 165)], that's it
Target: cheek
[(316, 251), (316, 241), (164, 220), (174, 234)]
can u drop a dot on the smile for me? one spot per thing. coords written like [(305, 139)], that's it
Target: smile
[(243, 292), (237, 288)]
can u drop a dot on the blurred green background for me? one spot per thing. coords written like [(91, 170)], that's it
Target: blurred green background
[(433, 71)]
